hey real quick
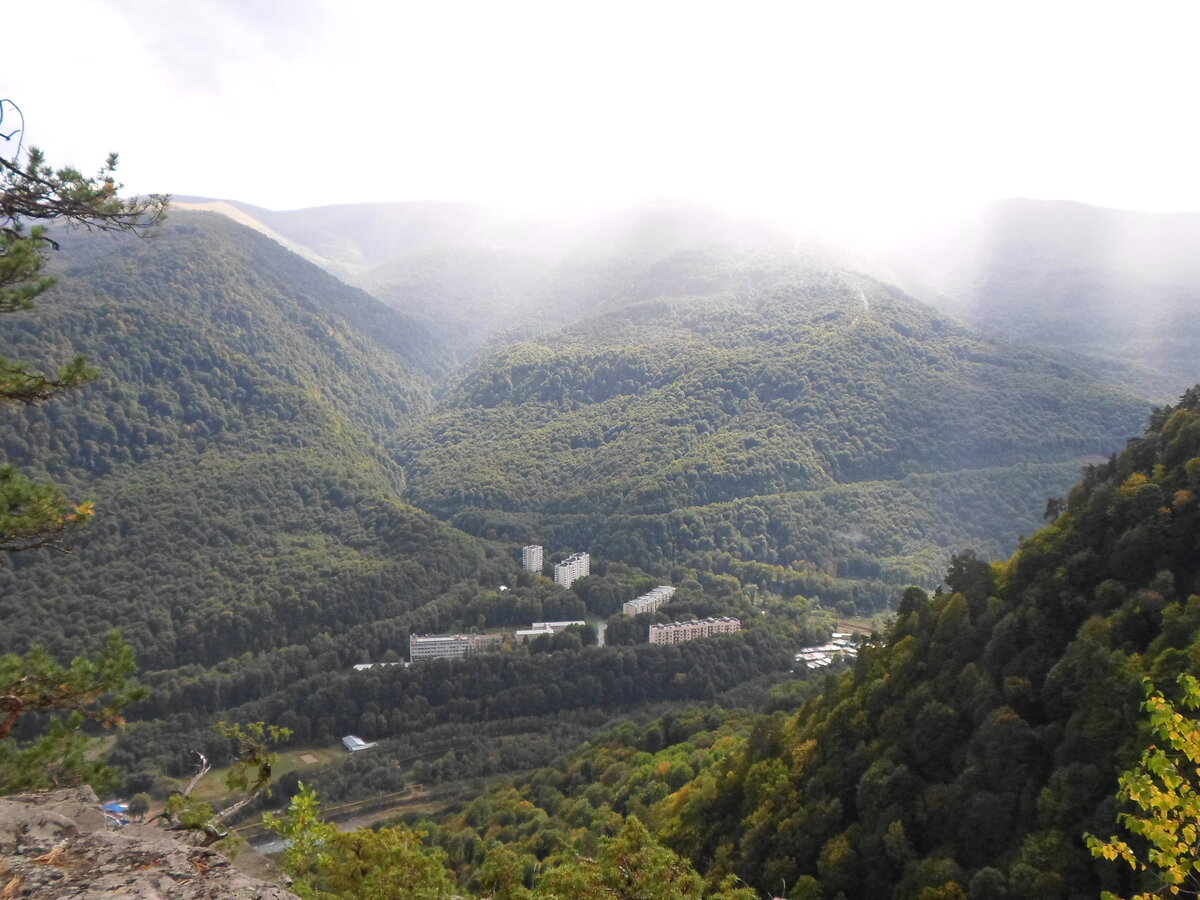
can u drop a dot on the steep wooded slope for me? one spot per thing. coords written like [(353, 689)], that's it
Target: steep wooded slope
[(984, 735), (457, 268), (746, 403), (231, 445)]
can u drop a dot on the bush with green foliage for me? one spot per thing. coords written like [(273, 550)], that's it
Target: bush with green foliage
[(1161, 796)]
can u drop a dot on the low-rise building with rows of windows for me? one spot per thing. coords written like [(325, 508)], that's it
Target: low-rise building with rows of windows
[(649, 601), (451, 646), (678, 632)]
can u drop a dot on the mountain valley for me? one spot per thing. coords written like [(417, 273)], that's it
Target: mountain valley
[(317, 433)]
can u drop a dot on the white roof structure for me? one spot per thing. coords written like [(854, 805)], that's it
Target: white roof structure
[(353, 743), (824, 655)]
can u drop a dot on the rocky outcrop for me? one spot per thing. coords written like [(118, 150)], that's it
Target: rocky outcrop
[(58, 845)]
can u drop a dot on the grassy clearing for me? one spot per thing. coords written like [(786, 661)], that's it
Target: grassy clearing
[(213, 789), (863, 624)]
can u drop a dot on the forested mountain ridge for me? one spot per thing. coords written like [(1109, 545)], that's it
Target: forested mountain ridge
[(703, 403), (751, 404), (965, 753), (772, 434), (474, 273), (232, 447), (741, 409), (1111, 291)]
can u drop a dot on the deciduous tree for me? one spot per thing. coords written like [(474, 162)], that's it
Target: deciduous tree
[(89, 689), (1162, 793), (388, 864)]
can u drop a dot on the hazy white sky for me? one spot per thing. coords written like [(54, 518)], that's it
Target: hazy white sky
[(827, 109)]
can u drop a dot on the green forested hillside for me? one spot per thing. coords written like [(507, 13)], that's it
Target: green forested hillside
[(964, 754), (776, 438), (841, 418), (231, 446), (250, 540), (980, 739)]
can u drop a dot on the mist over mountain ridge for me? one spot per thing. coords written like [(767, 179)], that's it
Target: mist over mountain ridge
[(1111, 289)]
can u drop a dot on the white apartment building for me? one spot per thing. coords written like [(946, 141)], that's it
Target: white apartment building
[(573, 567), (531, 558), (649, 601), (678, 632), (450, 646)]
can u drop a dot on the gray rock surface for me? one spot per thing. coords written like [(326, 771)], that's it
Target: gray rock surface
[(57, 845)]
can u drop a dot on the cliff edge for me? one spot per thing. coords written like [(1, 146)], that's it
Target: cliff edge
[(57, 845)]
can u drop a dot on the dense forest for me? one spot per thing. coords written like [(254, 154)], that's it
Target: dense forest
[(257, 424), (1105, 290)]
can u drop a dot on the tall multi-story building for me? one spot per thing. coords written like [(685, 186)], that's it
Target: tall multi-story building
[(649, 601), (578, 565), (678, 632), (450, 646), (531, 558)]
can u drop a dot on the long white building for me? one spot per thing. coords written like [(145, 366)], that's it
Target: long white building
[(678, 632), (572, 568), (450, 646), (649, 601), (531, 558)]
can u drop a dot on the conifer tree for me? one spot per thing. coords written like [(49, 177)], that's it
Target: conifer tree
[(95, 690), (33, 197)]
